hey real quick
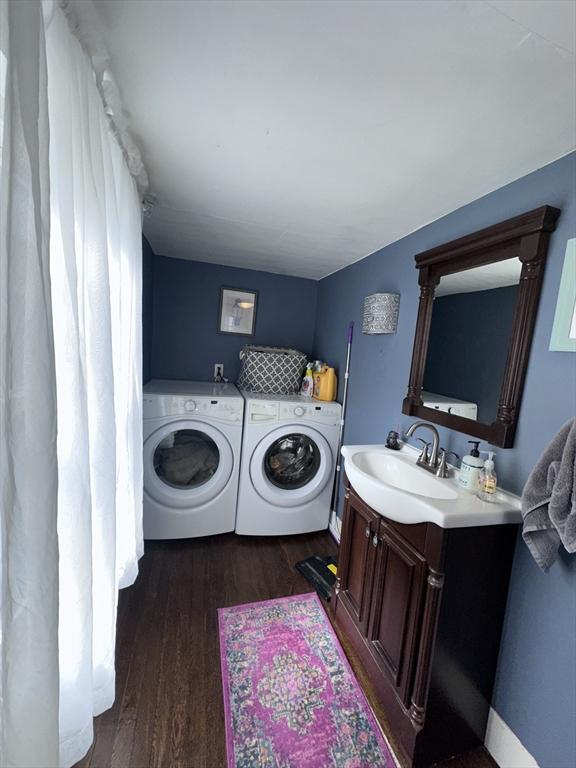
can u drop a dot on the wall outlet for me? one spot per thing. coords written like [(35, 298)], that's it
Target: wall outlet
[(218, 371)]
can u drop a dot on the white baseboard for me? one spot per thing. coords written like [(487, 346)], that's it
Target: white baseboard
[(504, 746)]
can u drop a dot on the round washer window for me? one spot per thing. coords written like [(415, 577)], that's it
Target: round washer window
[(292, 461), (186, 458)]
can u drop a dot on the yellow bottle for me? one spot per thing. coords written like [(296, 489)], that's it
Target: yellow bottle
[(325, 384)]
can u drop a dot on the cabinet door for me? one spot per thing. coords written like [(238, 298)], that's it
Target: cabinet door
[(356, 559), (396, 608)]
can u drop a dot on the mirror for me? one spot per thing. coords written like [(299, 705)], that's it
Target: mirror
[(472, 321), (478, 302)]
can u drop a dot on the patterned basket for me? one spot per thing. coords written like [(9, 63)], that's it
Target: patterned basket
[(271, 370)]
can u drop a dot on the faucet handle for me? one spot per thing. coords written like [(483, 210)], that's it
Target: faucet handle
[(442, 470), (450, 453), (424, 454)]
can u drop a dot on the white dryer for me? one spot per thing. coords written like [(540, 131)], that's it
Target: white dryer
[(288, 461), (192, 442)]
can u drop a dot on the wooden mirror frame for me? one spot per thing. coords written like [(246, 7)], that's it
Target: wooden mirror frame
[(525, 237)]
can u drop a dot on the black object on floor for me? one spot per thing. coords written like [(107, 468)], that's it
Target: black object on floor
[(315, 570)]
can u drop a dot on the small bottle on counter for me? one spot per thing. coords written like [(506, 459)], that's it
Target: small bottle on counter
[(487, 479), (470, 468)]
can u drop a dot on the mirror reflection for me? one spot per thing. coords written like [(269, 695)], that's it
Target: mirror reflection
[(472, 319)]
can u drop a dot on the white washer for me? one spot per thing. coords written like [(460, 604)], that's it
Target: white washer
[(192, 441), (288, 461)]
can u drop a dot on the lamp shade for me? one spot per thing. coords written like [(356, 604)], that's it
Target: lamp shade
[(381, 313)]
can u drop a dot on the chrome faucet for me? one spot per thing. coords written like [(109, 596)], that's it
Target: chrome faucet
[(428, 461)]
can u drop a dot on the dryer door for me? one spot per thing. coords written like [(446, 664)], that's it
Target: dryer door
[(186, 463), (291, 465)]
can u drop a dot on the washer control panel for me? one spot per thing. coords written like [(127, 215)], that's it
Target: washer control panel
[(229, 409)]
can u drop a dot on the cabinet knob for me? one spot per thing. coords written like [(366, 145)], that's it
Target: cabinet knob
[(375, 540), (367, 532)]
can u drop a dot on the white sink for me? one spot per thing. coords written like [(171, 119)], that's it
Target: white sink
[(393, 485), (394, 470)]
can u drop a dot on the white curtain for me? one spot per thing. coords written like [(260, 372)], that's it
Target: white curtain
[(95, 277), (28, 472)]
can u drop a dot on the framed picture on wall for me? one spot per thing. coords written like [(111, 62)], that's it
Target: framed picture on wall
[(237, 311), (563, 337)]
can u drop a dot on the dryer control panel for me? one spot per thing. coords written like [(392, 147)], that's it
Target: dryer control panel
[(321, 413), (262, 412), (283, 411)]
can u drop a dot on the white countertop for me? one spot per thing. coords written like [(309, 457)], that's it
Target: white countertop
[(465, 510)]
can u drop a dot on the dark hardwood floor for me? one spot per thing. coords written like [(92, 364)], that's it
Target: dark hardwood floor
[(168, 711)]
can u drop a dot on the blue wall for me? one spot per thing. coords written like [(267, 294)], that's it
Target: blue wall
[(147, 303), (185, 341), (468, 346), (536, 681)]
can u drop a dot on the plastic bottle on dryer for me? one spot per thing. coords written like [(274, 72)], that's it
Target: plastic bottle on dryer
[(325, 384), (307, 387)]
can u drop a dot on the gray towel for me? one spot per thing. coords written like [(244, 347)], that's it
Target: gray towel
[(549, 500)]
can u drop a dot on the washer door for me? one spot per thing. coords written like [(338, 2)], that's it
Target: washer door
[(186, 463), (291, 466)]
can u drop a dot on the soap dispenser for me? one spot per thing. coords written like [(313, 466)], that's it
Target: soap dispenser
[(487, 479), (470, 468)]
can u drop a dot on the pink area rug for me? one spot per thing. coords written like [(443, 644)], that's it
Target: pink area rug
[(290, 697)]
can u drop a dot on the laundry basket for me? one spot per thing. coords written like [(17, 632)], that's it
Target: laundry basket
[(271, 370)]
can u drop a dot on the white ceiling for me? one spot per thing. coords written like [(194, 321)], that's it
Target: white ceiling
[(298, 136)]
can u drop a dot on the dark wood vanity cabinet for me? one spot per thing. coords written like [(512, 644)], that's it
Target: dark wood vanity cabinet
[(398, 587), (362, 526), (423, 608)]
